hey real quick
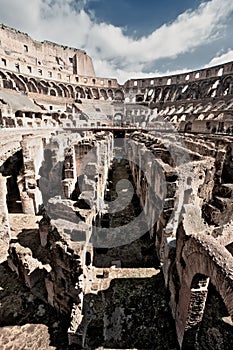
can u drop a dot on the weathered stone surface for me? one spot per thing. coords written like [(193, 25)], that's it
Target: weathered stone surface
[(177, 135)]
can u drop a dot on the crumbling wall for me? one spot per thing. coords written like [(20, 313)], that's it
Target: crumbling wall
[(198, 253), (57, 270), (186, 245)]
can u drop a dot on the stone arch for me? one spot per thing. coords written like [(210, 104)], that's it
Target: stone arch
[(63, 116), (201, 254), (208, 107), (44, 83), (9, 122), (226, 85), (157, 95), (42, 87), (20, 83), (172, 95), (95, 93), (119, 95), (32, 87), (166, 94), (193, 92), (57, 88), (24, 80), (52, 92), (71, 90), (34, 83), (2, 75), (79, 92), (19, 122), (204, 89), (213, 88), (65, 90), (11, 84), (110, 94), (118, 119), (220, 104), (88, 93), (7, 82), (150, 94), (178, 94), (19, 114), (103, 94), (139, 98)]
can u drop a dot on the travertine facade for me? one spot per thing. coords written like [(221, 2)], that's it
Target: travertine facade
[(58, 156)]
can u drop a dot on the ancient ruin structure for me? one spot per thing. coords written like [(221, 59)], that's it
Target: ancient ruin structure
[(69, 235)]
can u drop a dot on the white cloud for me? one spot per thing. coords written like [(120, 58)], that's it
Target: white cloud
[(106, 71), (225, 57), (113, 51)]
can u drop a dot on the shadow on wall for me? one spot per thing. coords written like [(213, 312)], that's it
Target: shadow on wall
[(132, 313)]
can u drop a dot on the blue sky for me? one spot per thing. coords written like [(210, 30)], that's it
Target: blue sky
[(131, 38), (139, 17)]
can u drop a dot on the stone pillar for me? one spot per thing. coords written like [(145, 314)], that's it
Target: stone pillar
[(4, 228), (27, 204)]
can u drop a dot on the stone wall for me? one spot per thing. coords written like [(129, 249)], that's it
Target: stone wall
[(187, 246), (183, 177), (56, 270), (21, 53)]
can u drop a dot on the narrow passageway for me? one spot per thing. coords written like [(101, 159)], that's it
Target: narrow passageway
[(139, 253), (125, 304)]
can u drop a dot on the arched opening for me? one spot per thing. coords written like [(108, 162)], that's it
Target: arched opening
[(52, 92), (216, 330), (139, 98), (165, 95), (95, 94), (9, 122), (19, 83), (119, 95), (12, 168), (65, 91), (103, 94), (79, 92), (71, 90), (157, 95), (88, 94), (227, 86), (110, 94), (32, 87), (19, 122), (8, 84), (118, 119)]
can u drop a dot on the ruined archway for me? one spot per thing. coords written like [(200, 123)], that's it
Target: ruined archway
[(12, 168), (201, 255)]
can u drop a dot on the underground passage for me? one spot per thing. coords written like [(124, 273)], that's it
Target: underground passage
[(115, 204)]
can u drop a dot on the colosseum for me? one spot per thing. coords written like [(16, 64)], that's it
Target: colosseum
[(116, 204)]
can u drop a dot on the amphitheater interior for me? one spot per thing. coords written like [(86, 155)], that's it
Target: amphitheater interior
[(116, 204)]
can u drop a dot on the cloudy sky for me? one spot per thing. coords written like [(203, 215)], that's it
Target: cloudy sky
[(131, 38)]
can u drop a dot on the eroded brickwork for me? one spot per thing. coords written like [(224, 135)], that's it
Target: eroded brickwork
[(60, 126)]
